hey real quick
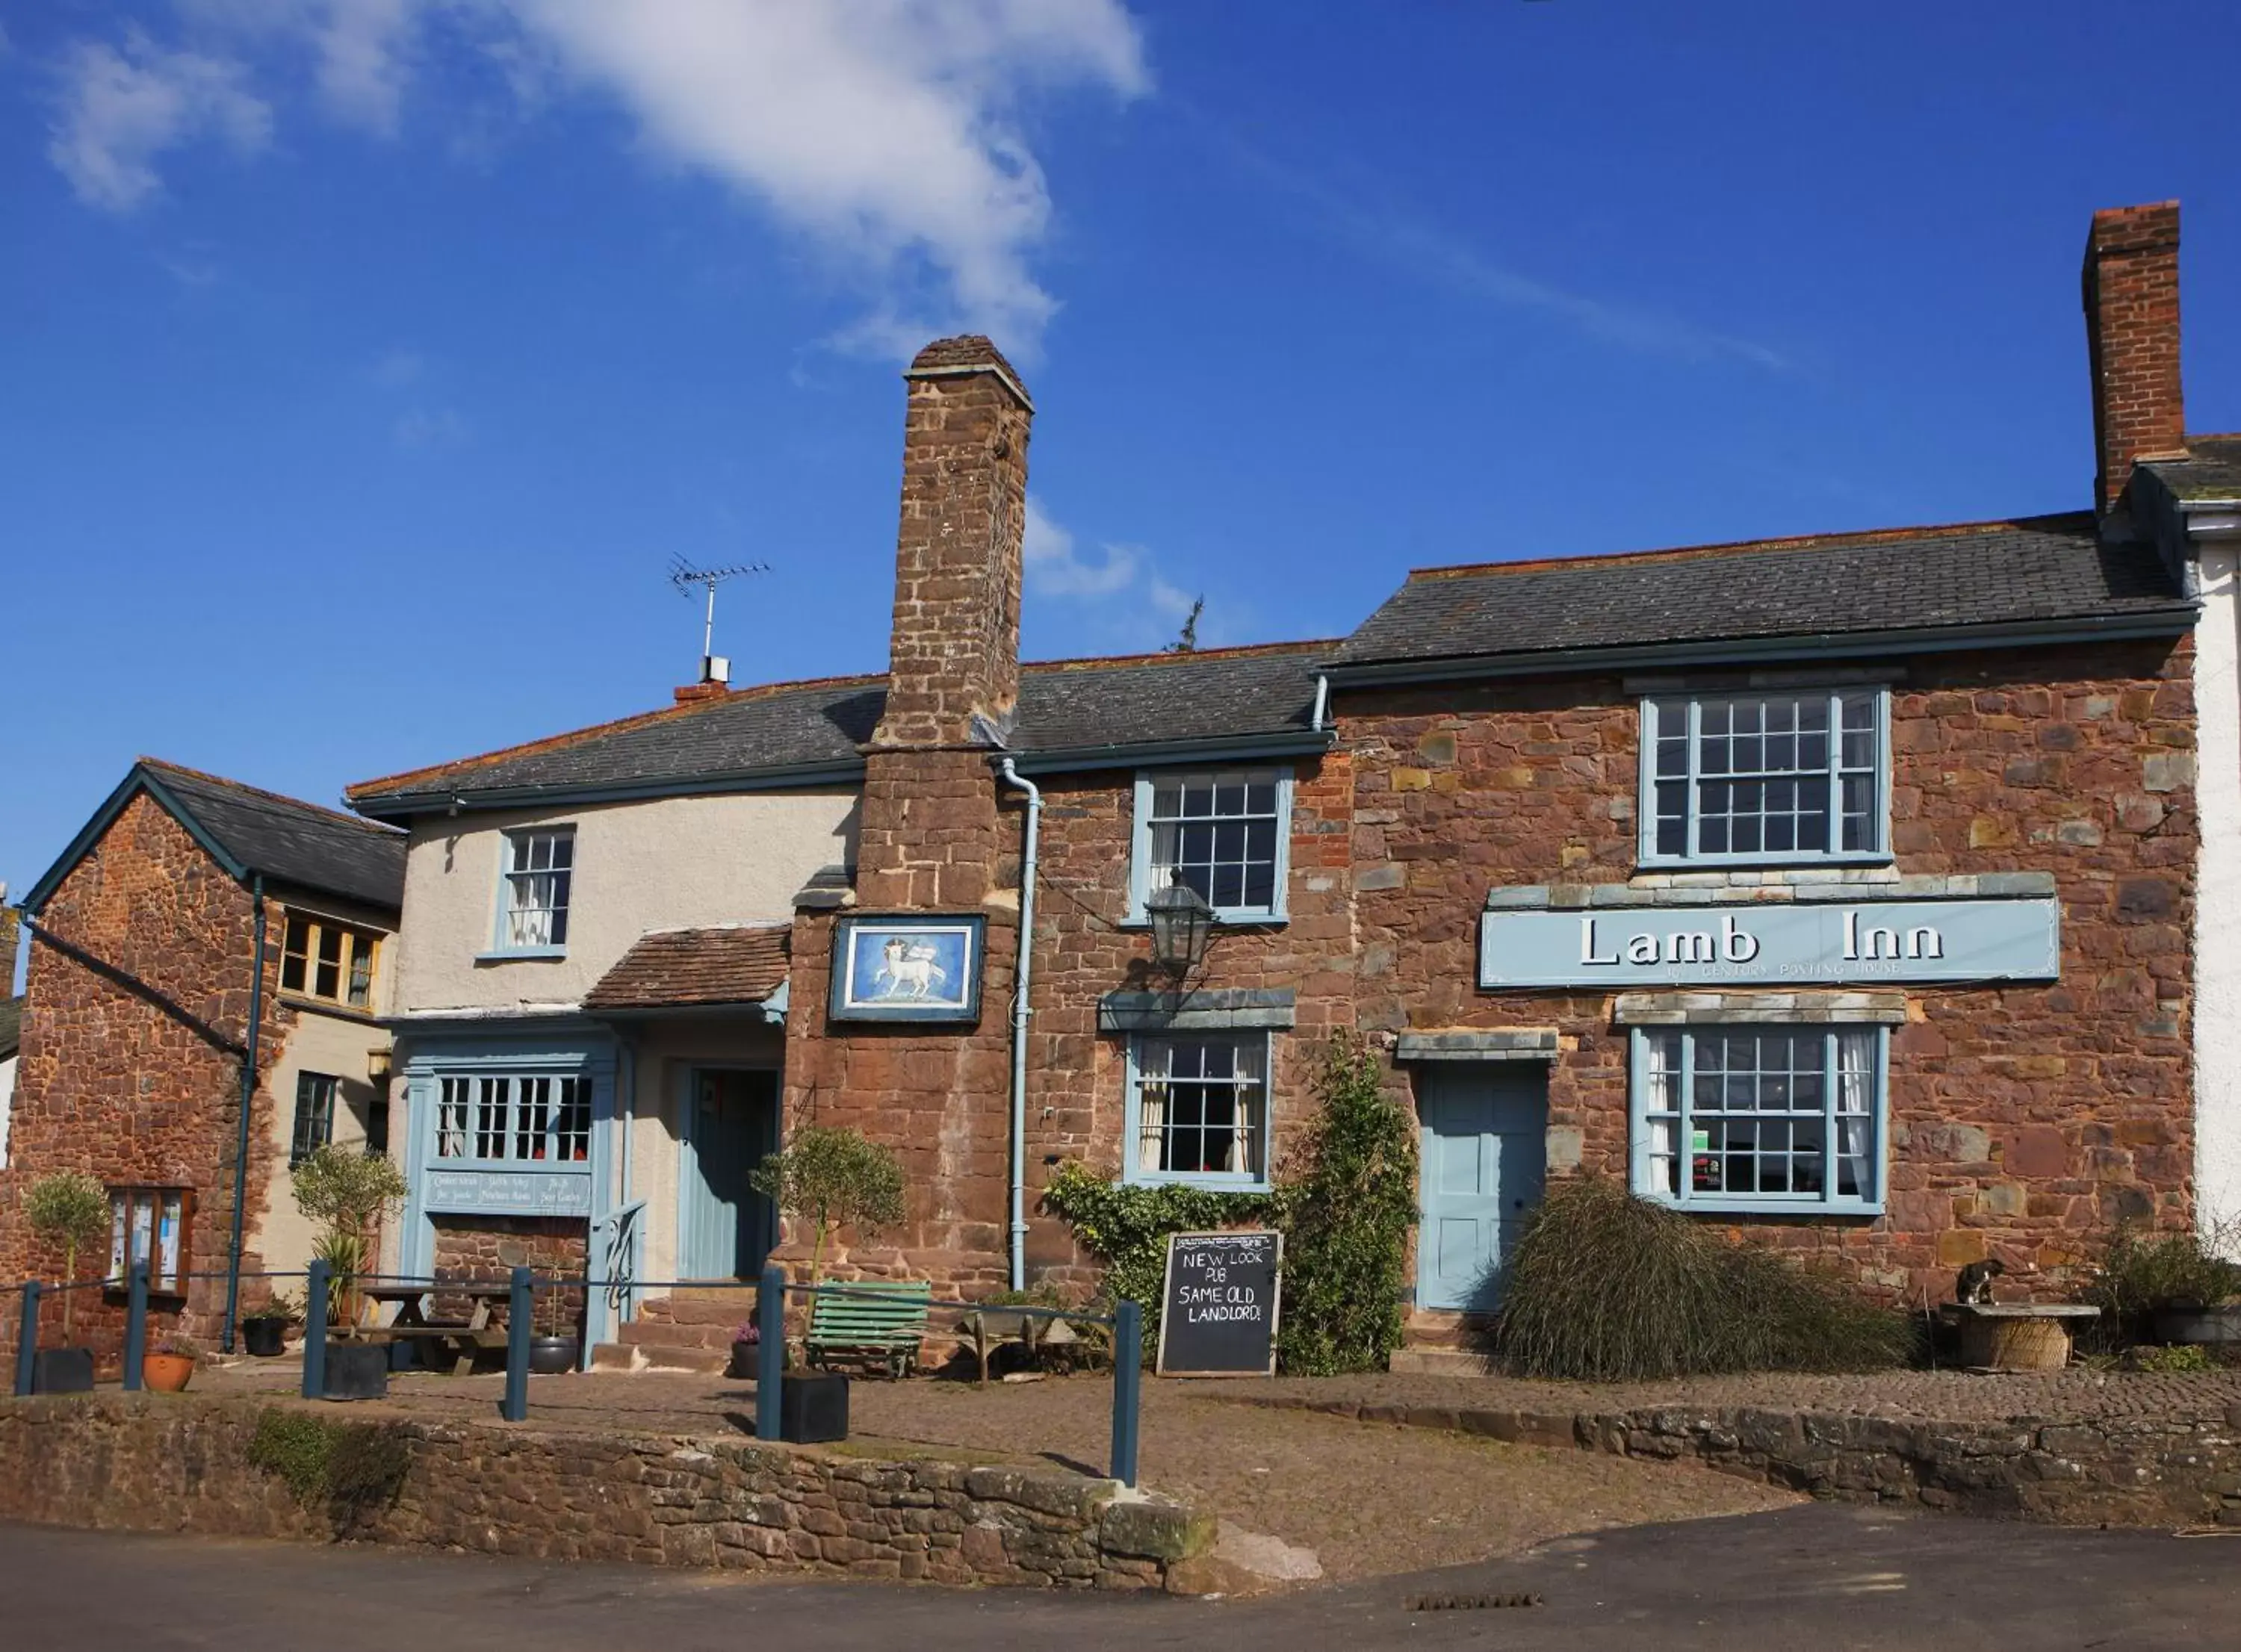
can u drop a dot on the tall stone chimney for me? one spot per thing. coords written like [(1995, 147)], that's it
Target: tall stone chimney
[(954, 672), (2132, 336)]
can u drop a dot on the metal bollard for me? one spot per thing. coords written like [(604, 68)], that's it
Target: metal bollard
[(1127, 1388), (315, 1331), (27, 1338), (770, 1352), (520, 1313), (136, 1326)]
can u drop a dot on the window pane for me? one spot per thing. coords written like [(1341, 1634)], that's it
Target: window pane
[(1761, 774), (1202, 1107), (1218, 835), (361, 971)]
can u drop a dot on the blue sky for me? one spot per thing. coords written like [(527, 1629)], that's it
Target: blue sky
[(369, 360)]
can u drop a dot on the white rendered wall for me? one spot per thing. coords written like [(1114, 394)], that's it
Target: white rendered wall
[(2217, 896)]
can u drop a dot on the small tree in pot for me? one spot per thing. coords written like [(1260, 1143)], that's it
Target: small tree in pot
[(832, 1178), (69, 1208), (348, 1192)]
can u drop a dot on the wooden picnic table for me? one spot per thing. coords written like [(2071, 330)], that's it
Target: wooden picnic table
[(461, 1340)]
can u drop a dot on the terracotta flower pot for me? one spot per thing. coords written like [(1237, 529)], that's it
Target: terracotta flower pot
[(166, 1373)]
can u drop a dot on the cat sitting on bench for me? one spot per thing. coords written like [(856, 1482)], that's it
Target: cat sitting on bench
[(1972, 1287)]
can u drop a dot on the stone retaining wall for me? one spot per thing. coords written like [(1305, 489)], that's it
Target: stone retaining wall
[(165, 1463), (2135, 1470)]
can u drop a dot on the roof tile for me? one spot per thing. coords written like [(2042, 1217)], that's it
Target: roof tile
[(679, 968)]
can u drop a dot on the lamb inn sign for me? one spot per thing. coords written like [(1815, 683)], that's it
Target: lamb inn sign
[(1815, 943)]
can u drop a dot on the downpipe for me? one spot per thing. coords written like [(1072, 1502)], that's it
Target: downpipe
[(1021, 977), (241, 1142)]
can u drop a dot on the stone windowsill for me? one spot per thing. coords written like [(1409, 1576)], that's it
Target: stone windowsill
[(1878, 1008)]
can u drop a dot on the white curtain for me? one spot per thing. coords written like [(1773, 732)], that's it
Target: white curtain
[(1855, 1102), (1664, 1098), (1252, 1105), (1152, 1107), (451, 1120), (530, 922)]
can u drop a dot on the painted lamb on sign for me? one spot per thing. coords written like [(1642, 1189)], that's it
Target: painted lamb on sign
[(907, 969)]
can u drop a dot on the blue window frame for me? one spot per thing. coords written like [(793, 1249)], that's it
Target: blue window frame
[(535, 880), (1760, 1117), (513, 1118), (1225, 833), (1198, 1108), (1793, 777)]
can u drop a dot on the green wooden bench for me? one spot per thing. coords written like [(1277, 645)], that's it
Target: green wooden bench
[(872, 1324)]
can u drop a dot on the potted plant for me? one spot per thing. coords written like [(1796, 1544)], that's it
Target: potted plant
[(2169, 1287), (67, 1209), (829, 1177), (168, 1367), (347, 1192), (556, 1350), (265, 1328), (746, 1348)]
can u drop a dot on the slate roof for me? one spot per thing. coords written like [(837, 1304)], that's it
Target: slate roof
[(11, 1026), (289, 840), (2039, 568), (679, 968), (1087, 706), (2211, 470)]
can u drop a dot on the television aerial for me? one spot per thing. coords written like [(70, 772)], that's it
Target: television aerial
[(682, 574)]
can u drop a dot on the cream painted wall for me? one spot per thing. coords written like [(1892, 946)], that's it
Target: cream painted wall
[(667, 863), (664, 1056), (319, 1043), (7, 1096), (2218, 891)]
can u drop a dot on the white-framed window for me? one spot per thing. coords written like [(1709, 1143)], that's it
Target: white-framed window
[(315, 1115), (533, 893), (1224, 832), (1790, 776), (1198, 1108), (514, 1118), (150, 1225), (1760, 1117), (322, 958)]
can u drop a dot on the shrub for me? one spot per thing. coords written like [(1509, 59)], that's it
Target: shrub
[(69, 1208), (1348, 1207), (1126, 1227), (832, 1178), (348, 1192), (1606, 1288), (2140, 1272)]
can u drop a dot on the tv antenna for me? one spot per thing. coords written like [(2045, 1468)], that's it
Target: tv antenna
[(684, 576)]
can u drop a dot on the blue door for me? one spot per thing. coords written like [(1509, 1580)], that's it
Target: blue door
[(727, 1225), (1485, 1156)]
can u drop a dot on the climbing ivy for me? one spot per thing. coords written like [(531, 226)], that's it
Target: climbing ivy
[(1345, 1205)]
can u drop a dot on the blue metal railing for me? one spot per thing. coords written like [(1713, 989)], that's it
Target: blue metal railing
[(770, 1292)]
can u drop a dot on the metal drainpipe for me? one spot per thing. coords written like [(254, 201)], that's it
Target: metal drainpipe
[(248, 1099), (1322, 700), (1021, 978)]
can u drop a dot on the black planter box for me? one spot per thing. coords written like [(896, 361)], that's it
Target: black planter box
[(357, 1371), (265, 1338), (68, 1371), (553, 1355), (812, 1409)]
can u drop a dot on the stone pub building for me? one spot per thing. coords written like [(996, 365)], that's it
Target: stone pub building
[(1843, 888)]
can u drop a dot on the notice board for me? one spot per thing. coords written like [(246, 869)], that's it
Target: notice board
[(1218, 1307)]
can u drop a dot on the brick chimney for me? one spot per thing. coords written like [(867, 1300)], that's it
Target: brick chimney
[(2132, 336), (953, 672)]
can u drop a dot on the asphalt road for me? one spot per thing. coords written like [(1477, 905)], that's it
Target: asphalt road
[(1822, 1576)]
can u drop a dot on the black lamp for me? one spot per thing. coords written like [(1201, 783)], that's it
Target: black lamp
[(1182, 923)]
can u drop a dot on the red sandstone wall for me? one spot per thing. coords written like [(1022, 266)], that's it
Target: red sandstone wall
[(116, 1081), (491, 1247), (2024, 1119)]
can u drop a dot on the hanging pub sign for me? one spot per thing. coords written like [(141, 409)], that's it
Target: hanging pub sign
[(916, 968), (1770, 944), (1218, 1307)]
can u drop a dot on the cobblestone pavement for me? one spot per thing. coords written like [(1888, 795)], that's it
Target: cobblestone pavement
[(2078, 1394), (1370, 1499)]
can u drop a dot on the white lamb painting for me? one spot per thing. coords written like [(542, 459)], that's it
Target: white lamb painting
[(919, 969)]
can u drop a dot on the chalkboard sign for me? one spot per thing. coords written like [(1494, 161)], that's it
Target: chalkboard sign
[(1218, 1314)]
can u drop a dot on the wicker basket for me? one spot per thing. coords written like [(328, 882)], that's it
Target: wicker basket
[(2014, 1344)]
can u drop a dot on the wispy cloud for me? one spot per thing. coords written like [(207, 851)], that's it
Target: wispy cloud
[(121, 107), (396, 369), (1127, 602), (425, 429), (1366, 219), (887, 133)]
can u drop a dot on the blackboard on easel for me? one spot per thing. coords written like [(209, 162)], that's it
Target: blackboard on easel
[(1218, 1309)]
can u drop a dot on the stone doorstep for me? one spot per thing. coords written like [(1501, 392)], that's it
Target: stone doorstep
[(1438, 1361), (638, 1354)]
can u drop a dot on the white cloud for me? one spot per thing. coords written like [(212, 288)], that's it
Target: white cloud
[(1127, 602), (395, 369), (121, 109), (881, 127), (422, 429), (1055, 569), (886, 131)]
